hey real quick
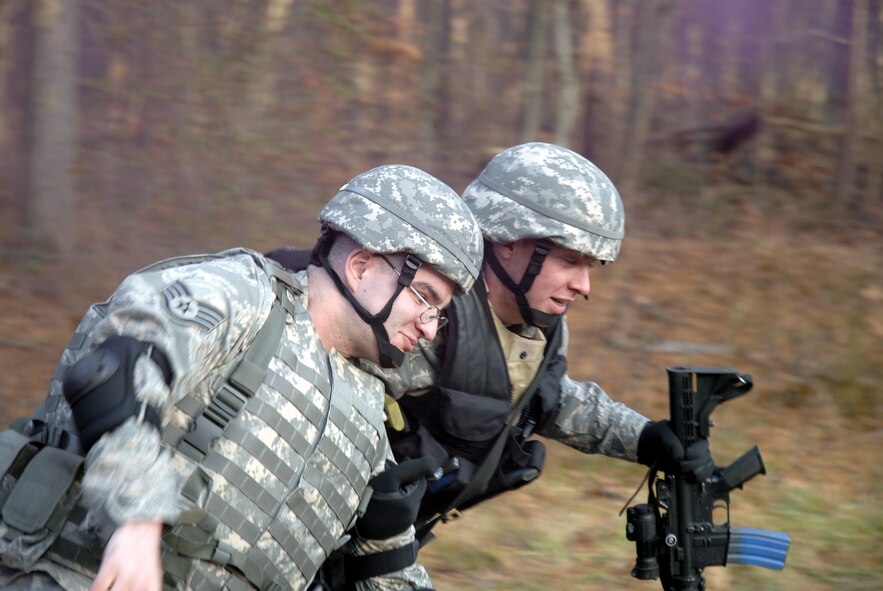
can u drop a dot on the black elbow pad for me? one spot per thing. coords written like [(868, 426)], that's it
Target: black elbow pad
[(100, 387)]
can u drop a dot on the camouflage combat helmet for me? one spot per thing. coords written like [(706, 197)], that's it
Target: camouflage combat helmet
[(538, 191), (401, 209), (398, 208)]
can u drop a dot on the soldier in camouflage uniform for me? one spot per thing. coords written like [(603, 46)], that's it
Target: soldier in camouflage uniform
[(497, 373), (219, 403)]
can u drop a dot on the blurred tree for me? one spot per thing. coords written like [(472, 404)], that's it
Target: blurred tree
[(261, 86), (652, 19), (537, 26), (51, 188), (430, 91), (568, 91), (601, 137), (857, 106)]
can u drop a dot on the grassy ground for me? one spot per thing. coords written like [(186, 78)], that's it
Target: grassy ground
[(802, 311)]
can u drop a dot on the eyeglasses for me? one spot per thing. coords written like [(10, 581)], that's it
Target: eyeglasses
[(431, 312)]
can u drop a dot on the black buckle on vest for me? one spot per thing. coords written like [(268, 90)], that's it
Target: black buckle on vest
[(210, 424)]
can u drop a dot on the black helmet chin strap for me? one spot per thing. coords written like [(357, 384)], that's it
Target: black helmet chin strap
[(519, 290), (390, 355)]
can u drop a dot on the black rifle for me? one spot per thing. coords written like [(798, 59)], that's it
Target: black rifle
[(674, 532)]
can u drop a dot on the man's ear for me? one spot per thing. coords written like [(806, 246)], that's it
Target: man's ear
[(355, 266), (504, 252)]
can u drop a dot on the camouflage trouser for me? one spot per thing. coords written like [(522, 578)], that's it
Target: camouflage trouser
[(37, 581)]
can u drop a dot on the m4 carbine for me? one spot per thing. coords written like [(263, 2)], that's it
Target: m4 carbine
[(674, 532)]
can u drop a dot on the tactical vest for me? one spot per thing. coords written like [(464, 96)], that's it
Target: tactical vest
[(277, 464), (459, 420)]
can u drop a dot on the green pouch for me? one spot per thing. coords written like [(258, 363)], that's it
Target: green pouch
[(40, 497)]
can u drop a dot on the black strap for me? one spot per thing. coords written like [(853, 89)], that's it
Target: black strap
[(485, 472), (390, 356), (291, 258), (531, 316), (358, 568)]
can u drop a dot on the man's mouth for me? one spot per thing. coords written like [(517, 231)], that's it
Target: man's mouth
[(562, 303), (409, 343)]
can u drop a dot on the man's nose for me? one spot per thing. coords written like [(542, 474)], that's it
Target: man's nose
[(580, 282), (428, 330)]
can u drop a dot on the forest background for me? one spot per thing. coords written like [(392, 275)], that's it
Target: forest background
[(744, 135)]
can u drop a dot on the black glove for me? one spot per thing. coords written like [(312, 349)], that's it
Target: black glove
[(398, 491), (697, 461), (659, 444)]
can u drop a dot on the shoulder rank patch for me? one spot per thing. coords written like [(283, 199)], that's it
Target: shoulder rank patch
[(184, 308)]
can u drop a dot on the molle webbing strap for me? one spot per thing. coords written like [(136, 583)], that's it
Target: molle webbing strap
[(72, 547), (240, 386), (193, 538)]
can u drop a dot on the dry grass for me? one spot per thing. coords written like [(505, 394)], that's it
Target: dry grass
[(802, 312)]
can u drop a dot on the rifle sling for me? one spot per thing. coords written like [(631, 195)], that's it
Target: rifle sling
[(482, 477)]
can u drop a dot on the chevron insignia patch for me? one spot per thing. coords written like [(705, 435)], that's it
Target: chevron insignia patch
[(184, 308)]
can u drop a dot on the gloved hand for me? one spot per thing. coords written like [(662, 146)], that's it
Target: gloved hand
[(398, 491), (659, 444), (697, 461)]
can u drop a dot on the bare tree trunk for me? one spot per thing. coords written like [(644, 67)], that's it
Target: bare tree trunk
[(533, 85), (695, 102), (456, 109), (652, 23), (601, 141), (623, 88), (857, 102), (768, 92), (728, 47), (430, 113), (14, 56), (261, 87), (875, 162), (49, 209), (568, 92)]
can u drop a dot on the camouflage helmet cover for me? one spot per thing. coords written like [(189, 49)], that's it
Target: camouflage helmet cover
[(539, 190), (398, 208)]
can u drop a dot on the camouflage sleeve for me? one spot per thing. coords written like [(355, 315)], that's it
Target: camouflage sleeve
[(408, 579), (201, 316), (587, 419)]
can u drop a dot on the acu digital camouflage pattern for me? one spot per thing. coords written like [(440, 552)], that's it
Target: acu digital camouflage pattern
[(398, 208), (287, 476), (539, 190)]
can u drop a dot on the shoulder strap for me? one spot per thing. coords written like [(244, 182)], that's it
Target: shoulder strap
[(479, 482), (290, 257), (482, 476)]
